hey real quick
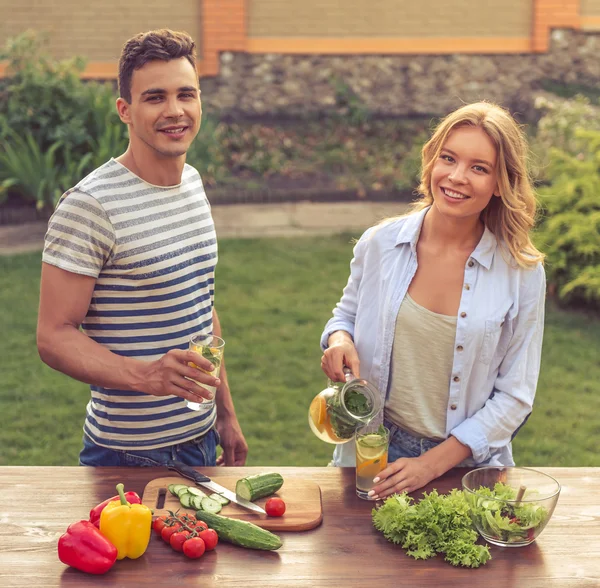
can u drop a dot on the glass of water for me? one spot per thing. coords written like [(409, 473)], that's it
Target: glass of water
[(210, 347)]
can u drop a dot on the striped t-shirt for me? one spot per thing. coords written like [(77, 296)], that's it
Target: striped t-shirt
[(153, 251)]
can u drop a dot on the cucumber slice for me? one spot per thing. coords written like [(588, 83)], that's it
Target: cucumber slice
[(195, 491), (196, 502), (170, 488), (185, 500), (210, 505), (224, 501), (179, 489)]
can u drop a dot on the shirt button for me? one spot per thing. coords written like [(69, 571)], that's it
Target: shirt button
[(471, 263), (456, 379), (459, 348), (467, 287), (463, 314), (453, 407)]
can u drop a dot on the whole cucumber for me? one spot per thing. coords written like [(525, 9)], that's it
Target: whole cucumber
[(240, 533)]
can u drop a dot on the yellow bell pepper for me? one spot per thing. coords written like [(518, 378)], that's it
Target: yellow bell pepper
[(126, 526)]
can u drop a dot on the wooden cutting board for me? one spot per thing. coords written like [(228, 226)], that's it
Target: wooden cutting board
[(302, 499)]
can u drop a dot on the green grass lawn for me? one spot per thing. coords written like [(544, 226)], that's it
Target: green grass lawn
[(273, 297)]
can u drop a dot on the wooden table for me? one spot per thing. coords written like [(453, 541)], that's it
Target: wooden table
[(38, 503)]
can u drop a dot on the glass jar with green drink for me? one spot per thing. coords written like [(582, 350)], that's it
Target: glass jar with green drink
[(337, 411)]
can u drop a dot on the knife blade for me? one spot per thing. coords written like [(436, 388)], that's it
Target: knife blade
[(202, 480)]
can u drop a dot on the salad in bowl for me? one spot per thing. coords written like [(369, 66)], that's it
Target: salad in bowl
[(510, 506)]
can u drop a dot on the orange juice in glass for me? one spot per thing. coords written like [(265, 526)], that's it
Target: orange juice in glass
[(371, 456), (211, 347)]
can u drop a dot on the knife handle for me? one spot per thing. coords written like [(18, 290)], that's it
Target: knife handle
[(187, 471)]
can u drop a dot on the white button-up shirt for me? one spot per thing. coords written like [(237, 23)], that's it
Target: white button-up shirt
[(498, 343)]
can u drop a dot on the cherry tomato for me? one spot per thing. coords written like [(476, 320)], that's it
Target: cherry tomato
[(178, 539), (200, 526), (167, 531), (530, 534), (194, 548), (275, 507), (158, 524), (210, 538)]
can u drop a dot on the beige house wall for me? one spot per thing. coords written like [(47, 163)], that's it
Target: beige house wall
[(390, 18), (96, 30), (590, 8)]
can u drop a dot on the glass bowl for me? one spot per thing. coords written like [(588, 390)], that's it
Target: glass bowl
[(510, 506)]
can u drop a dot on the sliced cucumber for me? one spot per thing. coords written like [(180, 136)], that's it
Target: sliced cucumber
[(179, 489), (224, 501), (196, 502), (170, 489), (195, 491), (185, 500), (210, 505)]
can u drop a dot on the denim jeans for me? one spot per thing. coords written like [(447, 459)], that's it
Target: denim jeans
[(404, 444), (201, 451)]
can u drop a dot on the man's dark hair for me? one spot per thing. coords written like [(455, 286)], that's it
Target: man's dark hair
[(162, 44)]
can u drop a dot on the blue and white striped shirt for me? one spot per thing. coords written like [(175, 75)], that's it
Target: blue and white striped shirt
[(153, 252)]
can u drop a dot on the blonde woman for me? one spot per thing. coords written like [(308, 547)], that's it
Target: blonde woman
[(444, 307)]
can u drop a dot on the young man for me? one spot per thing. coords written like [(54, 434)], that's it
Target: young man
[(128, 276)]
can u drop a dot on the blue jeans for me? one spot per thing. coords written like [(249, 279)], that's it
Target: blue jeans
[(404, 444), (201, 451)]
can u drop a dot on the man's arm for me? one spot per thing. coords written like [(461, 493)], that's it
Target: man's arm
[(235, 448), (64, 301)]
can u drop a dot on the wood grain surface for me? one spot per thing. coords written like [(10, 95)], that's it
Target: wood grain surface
[(302, 499), (38, 503)]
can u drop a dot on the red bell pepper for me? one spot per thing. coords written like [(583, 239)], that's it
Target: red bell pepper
[(83, 547), (131, 497)]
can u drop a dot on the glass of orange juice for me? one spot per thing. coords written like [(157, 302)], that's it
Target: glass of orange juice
[(211, 347), (372, 443)]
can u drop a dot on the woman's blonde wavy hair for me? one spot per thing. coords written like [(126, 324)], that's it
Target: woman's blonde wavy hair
[(512, 216)]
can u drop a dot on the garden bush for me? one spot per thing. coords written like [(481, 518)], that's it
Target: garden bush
[(557, 129), (54, 127), (569, 231)]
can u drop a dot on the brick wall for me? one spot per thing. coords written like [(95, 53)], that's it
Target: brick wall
[(96, 30), (389, 18), (225, 30), (590, 7), (311, 27), (549, 14)]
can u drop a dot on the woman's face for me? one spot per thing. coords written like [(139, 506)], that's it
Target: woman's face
[(464, 177)]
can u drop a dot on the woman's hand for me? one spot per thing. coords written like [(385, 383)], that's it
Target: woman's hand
[(411, 473), (340, 353), (405, 474)]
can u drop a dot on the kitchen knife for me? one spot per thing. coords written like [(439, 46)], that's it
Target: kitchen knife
[(202, 480)]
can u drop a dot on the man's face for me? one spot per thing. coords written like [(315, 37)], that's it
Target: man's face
[(165, 110)]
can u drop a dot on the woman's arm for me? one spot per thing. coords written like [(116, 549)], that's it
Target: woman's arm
[(494, 425), (344, 313), (337, 339)]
